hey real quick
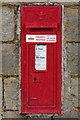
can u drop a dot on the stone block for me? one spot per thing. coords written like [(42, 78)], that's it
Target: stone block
[(66, 1), (24, 1), (73, 58), (71, 114), (10, 59), (0, 97), (13, 114), (0, 93), (74, 92), (69, 106), (70, 3), (71, 24), (70, 99), (19, 23), (7, 24), (74, 88), (11, 93), (1, 23), (0, 58)]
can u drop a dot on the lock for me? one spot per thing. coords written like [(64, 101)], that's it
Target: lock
[(41, 59)]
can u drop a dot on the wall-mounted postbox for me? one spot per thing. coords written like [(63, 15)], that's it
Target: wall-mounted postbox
[(41, 59)]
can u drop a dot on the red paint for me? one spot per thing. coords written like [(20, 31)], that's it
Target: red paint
[(44, 94)]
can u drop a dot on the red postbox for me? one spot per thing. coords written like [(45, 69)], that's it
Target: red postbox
[(41, 59)]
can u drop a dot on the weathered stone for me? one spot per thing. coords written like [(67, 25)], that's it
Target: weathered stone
[(13, 114), (11, 92), (78, 59), (72, 58), (67, 1), (71, 114), (0, 58), (7, 24), (18, 23), (1, 23), (70, 3), (24, 1), (0, 92), (10, 59), (69, 106), (70, 98), (71, 24), (67, 103), (74, 88), (79, 91), (0, 97)]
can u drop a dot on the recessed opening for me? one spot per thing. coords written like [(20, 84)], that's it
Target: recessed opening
[(41, 29), (35, 79)]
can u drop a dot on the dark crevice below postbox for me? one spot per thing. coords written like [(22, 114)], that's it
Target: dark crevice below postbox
[(41, 59)]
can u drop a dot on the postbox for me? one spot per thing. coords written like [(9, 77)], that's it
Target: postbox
[(41, 59)]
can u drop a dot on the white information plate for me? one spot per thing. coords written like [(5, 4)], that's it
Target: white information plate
[(40, 57), (41, 38)]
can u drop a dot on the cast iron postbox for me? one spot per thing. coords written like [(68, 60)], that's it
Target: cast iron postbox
[(41, 59)]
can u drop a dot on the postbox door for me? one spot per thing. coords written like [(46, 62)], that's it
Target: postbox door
[(41, 82)]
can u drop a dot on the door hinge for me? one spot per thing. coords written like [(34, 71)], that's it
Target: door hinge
[(27, 104)]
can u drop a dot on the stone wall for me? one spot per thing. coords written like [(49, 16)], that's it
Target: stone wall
[(10, 59)]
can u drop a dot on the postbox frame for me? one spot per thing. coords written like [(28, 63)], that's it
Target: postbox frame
[(55, 108)]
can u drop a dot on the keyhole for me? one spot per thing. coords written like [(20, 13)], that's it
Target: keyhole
[(34, 79)]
